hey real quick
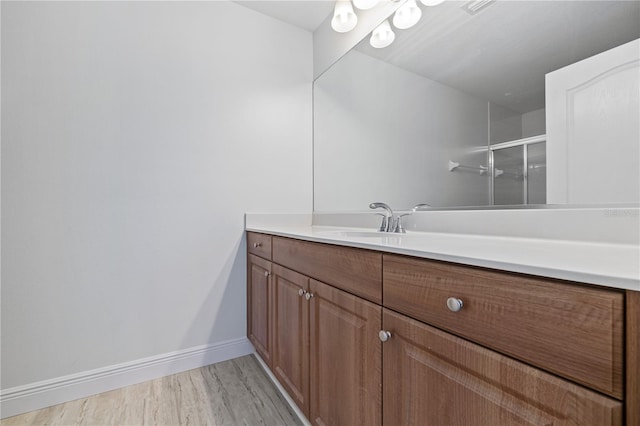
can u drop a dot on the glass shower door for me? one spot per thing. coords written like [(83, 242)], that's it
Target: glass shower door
[(537, 173), (508, 176), (519, 172)]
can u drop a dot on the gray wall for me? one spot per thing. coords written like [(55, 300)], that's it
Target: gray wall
[(507, 125), (534, 123), (135, 135), (386, 134)]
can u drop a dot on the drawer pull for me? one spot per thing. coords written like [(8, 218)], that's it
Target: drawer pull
[(266, 273), (256, 245), (384, 335), (454, 304), (301, 292), (308, 296)]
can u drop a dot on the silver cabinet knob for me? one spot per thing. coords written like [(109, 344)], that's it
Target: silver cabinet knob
[(454, 304), (266, 273), (384, 335), (256, 245), (308, 296), (301, 292)]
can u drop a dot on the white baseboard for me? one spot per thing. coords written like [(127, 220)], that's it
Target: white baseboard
[(22, 399)]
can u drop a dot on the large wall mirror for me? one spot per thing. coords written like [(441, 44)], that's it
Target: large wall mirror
[(514, 103)]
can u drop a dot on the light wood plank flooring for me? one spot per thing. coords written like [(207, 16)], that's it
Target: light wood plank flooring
[(235, 392)]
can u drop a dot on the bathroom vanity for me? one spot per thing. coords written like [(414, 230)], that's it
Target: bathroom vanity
[(479, 317), (360, 335)]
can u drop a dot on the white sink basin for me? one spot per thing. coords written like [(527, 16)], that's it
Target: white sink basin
[(358, 234)]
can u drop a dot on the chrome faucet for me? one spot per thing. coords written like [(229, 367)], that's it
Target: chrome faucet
[(393, 223), (387, 217)]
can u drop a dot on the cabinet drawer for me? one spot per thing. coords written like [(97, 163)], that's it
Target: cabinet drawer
[(571, 330), (354, 270), (259, 244)]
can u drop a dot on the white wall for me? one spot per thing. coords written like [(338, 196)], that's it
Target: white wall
[(534, 123), (135, 135), (505, 124), (385, 134), (508, 125)]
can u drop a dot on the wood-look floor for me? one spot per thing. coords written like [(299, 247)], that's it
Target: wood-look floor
[(235, 392)]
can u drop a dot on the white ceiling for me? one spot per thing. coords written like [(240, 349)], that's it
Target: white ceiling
[(306, 14), (503, 52)]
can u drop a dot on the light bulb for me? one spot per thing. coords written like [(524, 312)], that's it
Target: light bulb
[(407, 15), (431, 2), (344, 19), (382, 36), (365, 4)]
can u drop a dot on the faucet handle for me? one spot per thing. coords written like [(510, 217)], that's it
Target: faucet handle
[(421, 206), (385, 222), (399, 229)]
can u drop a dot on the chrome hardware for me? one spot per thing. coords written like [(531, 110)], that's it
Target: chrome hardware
[(384, 335), (267, 273), (387, 217), (454, 304), (399, 229), (385, 222), (308, 295), (422, 206), (390, 221), (256, 245), (301, 292)]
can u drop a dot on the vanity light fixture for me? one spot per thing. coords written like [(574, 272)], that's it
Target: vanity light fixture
[(407, 15), (365, 4), (382, 36), (344, 18)]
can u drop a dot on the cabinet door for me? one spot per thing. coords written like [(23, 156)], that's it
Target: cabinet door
[(434, 378), (259, 296), (346, 358), (291, 334)]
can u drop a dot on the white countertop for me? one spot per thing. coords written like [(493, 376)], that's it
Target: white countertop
[(606, 264)]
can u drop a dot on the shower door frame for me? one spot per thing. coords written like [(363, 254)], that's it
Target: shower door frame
[(524, 143)]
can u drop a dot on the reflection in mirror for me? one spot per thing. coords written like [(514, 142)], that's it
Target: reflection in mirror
[(456, 112)]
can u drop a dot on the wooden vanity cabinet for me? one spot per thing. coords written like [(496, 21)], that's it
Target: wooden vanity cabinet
[(435, 378), (521, 350), (571, 330), (324, 347), (259, 306), (259, 294), (259, 244), (326, 351), (350, 269), (346, 358), (632, 365), (291, 334)]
